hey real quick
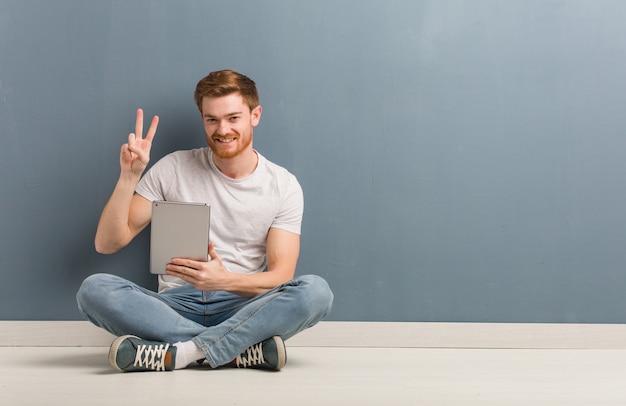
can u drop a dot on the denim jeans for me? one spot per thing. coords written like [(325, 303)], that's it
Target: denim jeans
[(222, 324)]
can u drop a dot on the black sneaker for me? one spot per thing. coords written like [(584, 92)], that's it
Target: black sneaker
[(268, 354), (132, 354)]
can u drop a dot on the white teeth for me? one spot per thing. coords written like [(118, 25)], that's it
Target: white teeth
[(225, 139)]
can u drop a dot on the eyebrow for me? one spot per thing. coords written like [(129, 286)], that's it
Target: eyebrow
[(237, 113)]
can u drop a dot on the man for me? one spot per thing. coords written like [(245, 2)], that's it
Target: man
[(237, 308)]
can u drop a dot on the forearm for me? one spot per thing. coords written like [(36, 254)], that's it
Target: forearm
[(249, 285), (212, 275), (114, 231), (283, 248)]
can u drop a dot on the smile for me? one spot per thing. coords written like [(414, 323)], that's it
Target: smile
[(224, 140)]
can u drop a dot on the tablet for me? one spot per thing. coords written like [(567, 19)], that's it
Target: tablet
[(178, 230)]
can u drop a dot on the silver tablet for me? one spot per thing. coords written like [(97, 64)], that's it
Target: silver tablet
[(178, 230)]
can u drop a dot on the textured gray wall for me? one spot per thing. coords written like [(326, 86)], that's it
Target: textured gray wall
[(461, 160)]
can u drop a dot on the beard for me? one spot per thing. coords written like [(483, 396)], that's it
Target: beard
[(231, 153)]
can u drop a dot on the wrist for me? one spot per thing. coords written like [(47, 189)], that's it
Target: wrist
[(129, 177)]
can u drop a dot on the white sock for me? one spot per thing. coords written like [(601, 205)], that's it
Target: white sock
[(187, 353)]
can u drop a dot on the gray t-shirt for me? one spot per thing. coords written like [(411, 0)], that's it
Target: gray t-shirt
[(242, 210)]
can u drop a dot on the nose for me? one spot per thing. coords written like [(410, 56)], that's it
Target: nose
[(222, 128)]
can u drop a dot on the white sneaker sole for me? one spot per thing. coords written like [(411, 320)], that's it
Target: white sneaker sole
[(282, 352), (113, 350)]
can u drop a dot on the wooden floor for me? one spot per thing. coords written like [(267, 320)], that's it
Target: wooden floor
[(325, 376), (334, 363)]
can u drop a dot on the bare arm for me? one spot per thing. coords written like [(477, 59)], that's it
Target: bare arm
[(126, 214), (121, 220), (283, 249)]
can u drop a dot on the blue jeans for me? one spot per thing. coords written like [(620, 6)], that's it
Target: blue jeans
[(222, 324)]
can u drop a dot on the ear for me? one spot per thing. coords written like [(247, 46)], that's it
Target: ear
[(255, 115)]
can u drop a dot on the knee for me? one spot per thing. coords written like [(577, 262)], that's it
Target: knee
[(317, 297), (94, 290)]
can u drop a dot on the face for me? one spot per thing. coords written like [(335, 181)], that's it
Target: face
[(228, 124)]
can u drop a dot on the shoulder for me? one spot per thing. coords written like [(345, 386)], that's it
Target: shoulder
[(187, 154), (282, 182), (184, 158), (276, 171)]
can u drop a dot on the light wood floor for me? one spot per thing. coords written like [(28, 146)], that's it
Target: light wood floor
[(325, 376)]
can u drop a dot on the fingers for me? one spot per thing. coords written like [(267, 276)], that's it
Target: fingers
[(139, 123), (133, 148), (139, 126), (190, 263), (135, 140), (179, 263), (185, 263), (213, 255), (181, 267), (153, 127)]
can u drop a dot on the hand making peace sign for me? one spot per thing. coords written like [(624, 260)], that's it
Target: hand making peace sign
[(135, 155)]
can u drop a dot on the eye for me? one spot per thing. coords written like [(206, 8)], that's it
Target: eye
[(234, 118)]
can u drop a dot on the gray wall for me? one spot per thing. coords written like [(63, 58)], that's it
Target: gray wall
[(461, 160)]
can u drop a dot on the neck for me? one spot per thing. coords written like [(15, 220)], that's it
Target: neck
[(239, 166)]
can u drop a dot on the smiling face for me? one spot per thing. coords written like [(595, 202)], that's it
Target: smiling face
[(228, 124)]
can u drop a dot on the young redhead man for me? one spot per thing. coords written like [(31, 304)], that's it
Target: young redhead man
[(237, 308)]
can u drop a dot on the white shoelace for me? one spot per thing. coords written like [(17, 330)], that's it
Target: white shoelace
[(151, 356), (252, 356)]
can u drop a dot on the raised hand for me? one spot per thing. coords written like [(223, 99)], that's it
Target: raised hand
[(135, 154)]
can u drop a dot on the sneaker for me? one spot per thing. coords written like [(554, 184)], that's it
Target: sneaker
[(268, 354), (132, 354)]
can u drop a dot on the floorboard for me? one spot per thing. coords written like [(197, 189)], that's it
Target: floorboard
[(326, 376)]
